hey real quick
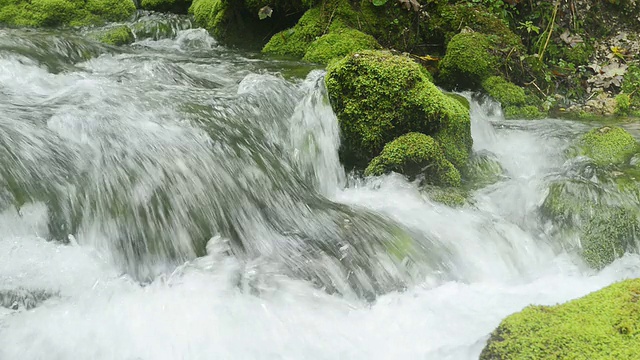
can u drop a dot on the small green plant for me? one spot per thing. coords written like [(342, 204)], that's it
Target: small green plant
[(623, 104), (529, 27)]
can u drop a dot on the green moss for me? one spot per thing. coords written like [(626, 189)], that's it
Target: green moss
[(339, 43), (117, 36), (524, 112), (623, 104), (467, 62), (211, 15), (459, 98), (608, 145), (175, 6), (608, 237), (450, 196), (482, 170), (48, 13), (579, 54), (414, 155), (601, 325), (296, 41), (378, 97), (504, 92)]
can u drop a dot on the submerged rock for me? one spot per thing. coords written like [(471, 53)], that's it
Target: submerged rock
[(601, 325), (599, 199), (378, 97), (48, 13), (120, 35)]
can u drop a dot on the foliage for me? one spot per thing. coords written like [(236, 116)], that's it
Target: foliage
[(378, 97), (606, 238), (414, 155), (623, 104), (601, 325), (467, 62), (48, 13), (338, 43), (210, 14), (523, 112)]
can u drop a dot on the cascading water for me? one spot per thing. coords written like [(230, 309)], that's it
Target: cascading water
[(210, 216)]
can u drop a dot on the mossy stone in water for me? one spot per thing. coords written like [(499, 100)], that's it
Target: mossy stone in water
[(339, 43), (175, 6), (602, 325), (117, 36), (378, 97), (608, 145), (504, 92), (415, 154)]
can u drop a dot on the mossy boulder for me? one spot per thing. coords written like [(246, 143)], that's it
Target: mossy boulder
[(503, 91), (296, 40), (523, 112), (602, 325), (339, 43), (117, 36), (483, 169), (468, 61), (212, 15), (414, 155), (49, 13), (608, 146), (378, 96), (174, 6)]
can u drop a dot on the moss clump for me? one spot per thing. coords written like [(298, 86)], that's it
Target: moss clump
[(174, 6), (468, 61), (601, 325), (524, 112), (414, 155), (378, 97), (608, 145), (450, 196), (211, 15), (623, 104), (339, 43), (48, 13), (117, 36), (504, 92), (296, 41)]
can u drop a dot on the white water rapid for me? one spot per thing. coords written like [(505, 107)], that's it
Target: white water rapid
[(151, 154)]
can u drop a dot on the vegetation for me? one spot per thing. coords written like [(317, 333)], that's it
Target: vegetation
[(378, 97), (120, 35), (414, 155), (339, 43), (175, 6), (608, 145), (49, 13), (468, 61), (601, 325)]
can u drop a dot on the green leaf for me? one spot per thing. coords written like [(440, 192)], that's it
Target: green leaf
[(379, 2), (265, 12)]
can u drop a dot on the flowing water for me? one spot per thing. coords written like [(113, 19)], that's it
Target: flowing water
[(176, 199)]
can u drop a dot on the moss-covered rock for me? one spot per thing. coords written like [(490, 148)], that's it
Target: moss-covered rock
[(608, 237), (211, 14), (120, 35), (601, 325), (48, 13), (503, 91), (378, 97), (296, 41), (414, 155), (483, 169), (339, 43), (174, 6), (468, 61), (608, 145), (523, 112), (451, 196)]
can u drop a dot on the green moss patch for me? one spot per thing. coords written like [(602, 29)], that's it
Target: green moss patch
[(601, 325), (467, 62), (117, 36), (608, 145), (49, 13), (174, 6), (337, 44), (296, 41)]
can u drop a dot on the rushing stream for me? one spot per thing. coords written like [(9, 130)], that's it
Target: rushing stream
[(211, 218)]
